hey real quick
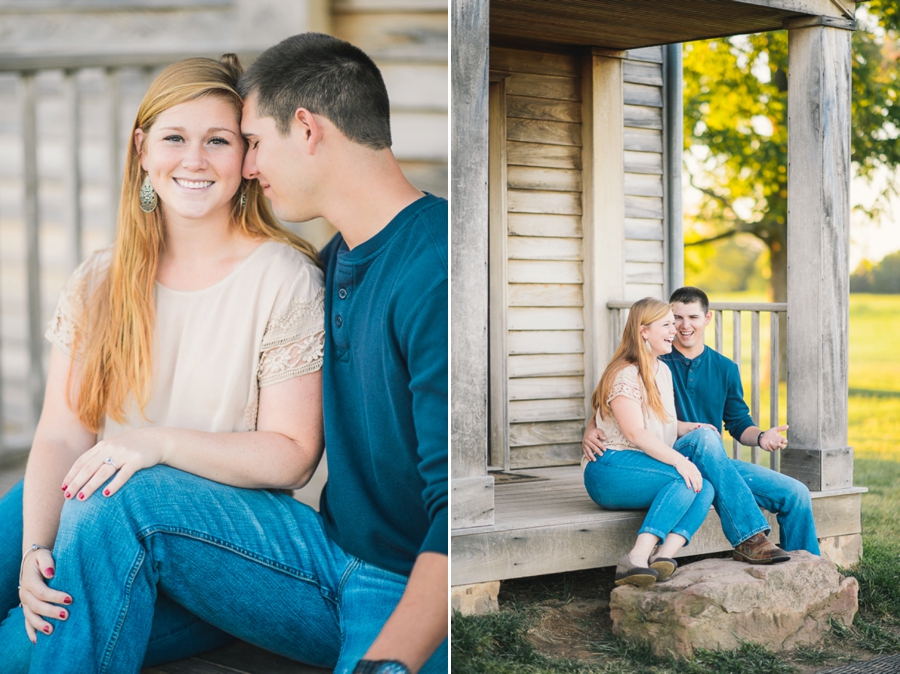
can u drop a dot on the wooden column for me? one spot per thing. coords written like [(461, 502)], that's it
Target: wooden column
[(818, 261), (472, 499), (603, 222)]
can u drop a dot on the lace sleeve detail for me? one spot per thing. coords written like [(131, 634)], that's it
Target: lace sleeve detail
[(626, 384), (63, 326), (294, 341)]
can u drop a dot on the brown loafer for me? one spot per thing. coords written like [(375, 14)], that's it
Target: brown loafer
[(664, 567), (628, 574), (759, 550)]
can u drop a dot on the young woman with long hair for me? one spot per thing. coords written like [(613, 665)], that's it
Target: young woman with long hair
[(634, 405), (194, 342)]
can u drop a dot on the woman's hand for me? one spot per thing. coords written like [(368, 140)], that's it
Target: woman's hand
[(122, 456), (594, 441), (690, 473), (38, 600)]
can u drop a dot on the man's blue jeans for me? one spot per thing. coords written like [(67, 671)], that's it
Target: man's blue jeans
[(741, 488), (625, 479), (788, 499), (251, 563)]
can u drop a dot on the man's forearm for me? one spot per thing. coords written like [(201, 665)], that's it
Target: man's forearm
[(419, 623), (750, 436)]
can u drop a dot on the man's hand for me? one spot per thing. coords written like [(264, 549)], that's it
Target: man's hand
[(418, 624), (593, 442), (773, 440)]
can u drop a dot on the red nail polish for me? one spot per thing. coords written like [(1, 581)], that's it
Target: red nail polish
[(64, 487), (67, 600), (68, 495), (106, 492), (62, 614), (81, 495), (47, 629), (49, 572)]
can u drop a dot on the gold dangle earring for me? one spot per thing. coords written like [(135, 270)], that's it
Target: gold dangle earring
[(147, 196), (243, 199)]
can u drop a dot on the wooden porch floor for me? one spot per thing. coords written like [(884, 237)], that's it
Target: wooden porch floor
[(550, 525), (238, 658)]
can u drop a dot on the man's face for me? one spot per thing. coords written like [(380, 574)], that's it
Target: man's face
[(279, 163), (690, 324)]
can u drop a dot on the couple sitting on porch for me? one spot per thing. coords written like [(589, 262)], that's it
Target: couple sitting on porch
[(192, 379), (654, 443)]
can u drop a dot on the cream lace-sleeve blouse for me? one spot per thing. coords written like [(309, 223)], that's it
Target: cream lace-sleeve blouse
[(629, 385), (215, 348)]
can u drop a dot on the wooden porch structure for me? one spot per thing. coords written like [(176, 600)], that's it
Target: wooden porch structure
[(565, 189)]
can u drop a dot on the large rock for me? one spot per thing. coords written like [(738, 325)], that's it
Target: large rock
[(718, 603)]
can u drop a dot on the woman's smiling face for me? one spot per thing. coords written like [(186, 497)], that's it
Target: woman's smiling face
[(193, 154), (660, 335)]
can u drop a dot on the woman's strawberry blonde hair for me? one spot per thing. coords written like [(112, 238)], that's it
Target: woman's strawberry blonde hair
[(632, 351), (114, 335)]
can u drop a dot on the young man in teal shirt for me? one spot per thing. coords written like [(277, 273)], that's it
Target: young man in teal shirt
[(708, 390)]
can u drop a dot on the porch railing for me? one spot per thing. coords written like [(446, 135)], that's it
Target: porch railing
[(760, 313), (64, 125)]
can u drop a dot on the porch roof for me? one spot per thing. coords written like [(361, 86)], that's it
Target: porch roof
[(614, 24)]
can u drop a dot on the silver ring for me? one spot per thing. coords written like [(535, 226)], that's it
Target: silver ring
[(108, 460)]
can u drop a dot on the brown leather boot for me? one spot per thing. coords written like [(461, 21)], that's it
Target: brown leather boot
[(759, 550)]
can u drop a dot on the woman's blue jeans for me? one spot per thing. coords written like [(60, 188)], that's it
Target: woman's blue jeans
[(250, 563), (625, 479)]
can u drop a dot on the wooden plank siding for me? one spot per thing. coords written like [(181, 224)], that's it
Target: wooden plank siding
[(642, 73), (408, 42), (543, 257)]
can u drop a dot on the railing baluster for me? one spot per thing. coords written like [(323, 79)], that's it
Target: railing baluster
[(736, 344), (774, 457), (32, 246), (718, 315), (72, 172), (754, 377), (115, 147)]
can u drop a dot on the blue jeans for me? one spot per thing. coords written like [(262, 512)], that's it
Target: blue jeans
[(741, 488), (175, 633), (252, 563), (625, 479), (788, 499)]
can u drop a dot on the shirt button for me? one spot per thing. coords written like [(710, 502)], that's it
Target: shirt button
[(342, 293), (338, 321)]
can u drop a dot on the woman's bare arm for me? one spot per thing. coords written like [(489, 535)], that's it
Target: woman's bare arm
[(59, 440), (630, 418), (282, 453)]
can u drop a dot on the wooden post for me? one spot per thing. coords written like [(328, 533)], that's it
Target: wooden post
[(818, 262), (472, 488), (603, 220), (673, 132)]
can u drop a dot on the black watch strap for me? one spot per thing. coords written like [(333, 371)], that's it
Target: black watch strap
[(380, 667)]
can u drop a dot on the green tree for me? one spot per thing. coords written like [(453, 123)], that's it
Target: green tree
[(735, 117), (883, 277)]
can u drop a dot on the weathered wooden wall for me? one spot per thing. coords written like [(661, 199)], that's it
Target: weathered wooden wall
[(408, 40), (543, 261), (538, 261), (642, 73)]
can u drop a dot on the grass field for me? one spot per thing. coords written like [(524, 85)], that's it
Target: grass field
[(560, 623)]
